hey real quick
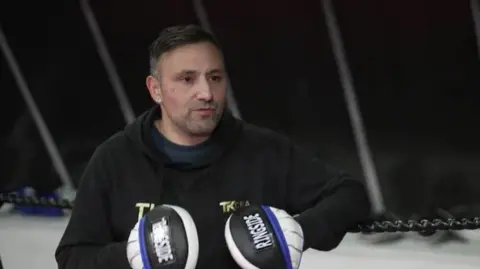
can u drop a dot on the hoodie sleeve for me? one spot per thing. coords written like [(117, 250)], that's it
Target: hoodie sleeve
[(88, 242), (328, 202)]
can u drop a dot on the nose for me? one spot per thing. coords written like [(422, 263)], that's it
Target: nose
[(204, 91)]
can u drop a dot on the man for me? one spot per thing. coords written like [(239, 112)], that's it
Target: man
[(188, 150)]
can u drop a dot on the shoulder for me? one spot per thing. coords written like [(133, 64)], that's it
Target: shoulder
[(104, 161), (112, 146), (262, 138), (265, 137)]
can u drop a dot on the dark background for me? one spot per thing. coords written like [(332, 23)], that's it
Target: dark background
[(415, 65)]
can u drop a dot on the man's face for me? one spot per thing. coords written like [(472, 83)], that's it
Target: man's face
[(191, 84)]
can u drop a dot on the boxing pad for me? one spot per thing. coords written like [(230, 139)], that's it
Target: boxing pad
[(166, 237), (262, 237)]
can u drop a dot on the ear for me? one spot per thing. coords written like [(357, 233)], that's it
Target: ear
[(153, 86)]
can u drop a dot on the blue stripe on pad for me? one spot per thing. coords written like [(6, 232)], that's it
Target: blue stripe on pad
[(143, 247), (279, 236)]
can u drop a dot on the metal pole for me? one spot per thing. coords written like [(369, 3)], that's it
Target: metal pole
[(204, 22), (364, 152), (102, 49), (475, 7), (35, 112)]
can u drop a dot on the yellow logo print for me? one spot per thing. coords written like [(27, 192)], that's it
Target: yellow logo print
[(141, 208), (231, 206)]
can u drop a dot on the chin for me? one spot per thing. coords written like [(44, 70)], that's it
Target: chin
[(207, 131), (203, 130), (203, 127)]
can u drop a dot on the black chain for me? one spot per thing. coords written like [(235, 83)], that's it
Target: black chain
[(425, 225), (35, 201)]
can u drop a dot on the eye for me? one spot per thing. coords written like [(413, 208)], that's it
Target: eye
[(216, 78), (187, 80)]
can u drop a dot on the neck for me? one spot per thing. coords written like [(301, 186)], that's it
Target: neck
[(177, 136)]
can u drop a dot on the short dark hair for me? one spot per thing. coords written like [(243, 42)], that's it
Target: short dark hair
[(175, 36)]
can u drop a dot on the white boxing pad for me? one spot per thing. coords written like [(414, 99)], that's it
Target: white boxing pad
[(262, 237), (164, 236)]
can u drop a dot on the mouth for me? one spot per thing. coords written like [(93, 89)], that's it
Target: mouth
[(205, 111)]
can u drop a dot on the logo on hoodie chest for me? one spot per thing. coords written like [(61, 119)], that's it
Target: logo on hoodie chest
[(226, 207), (143, 209)]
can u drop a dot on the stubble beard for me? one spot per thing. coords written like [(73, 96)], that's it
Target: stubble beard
[(203, 126)]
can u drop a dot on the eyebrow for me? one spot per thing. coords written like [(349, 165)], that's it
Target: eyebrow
[(209, 72), (215, 70)]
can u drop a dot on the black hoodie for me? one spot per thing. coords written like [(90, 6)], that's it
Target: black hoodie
[(127, 176)]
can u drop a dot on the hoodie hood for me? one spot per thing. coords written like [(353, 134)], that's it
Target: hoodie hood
[(222, 139)]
